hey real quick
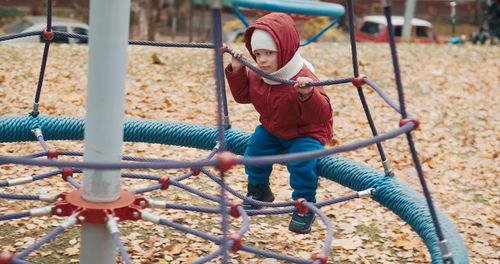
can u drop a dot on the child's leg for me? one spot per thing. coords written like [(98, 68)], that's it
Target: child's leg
[(304, 174), (260, 144)]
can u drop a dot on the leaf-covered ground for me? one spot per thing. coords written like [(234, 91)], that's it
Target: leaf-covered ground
[(453, 90)]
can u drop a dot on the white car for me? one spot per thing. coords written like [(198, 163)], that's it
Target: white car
[(35, 23)]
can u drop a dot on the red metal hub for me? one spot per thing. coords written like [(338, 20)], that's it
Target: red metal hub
[(127, 207)]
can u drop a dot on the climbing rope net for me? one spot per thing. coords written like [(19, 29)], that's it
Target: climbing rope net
[(224, 145)]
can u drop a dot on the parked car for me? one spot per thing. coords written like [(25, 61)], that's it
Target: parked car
[(34, 23), (374, 28)]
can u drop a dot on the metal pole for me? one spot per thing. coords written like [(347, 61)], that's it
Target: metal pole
[(453, 17), (107, 64), (409, 14)]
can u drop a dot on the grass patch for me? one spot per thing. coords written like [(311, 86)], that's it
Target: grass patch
[(371, 231)]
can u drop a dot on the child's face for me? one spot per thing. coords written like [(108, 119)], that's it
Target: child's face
[(267, 60)]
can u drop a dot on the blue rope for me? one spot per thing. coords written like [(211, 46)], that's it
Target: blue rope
[(119, 245), (14, 215)]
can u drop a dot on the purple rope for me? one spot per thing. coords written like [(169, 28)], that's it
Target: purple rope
[(395, 61), (140, 176), (35, 178), (338, 200), (382, 94), (328, 227), (194, 191), (73, 182), (71, 153), (121, 248), (243, 197), (275, 255), (20, 35), (145, 42), (51, 235), (364, 103), (183, 177), (149, 189), (49, 15), (13, 196), (36, 155), (15, 215), (193, 208), (285, 81), (172, 182), (416, 161), (208, 257), (46, 175), (188, 230), (245, 221)]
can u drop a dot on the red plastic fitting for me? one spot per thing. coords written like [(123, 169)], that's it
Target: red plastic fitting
[(95, 216), (164, 181), (234, 210), (195, 171), (358, 81), (67, 172), (321, 257), (52, 154), (405, 121), (131, 212), (226, 161), (236, 242), (141, 201), (63, 208), (223, 49), (48, 35), (299, 203), (6, 257)]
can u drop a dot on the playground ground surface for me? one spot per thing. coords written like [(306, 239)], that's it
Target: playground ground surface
[(453, 90)]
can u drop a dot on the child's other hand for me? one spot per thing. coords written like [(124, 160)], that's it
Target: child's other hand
[(238, 54), (300, 85)]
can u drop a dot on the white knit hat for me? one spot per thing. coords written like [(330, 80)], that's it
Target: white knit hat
[(261, 39)]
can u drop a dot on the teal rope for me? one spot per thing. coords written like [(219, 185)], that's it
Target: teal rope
[(403, 201)]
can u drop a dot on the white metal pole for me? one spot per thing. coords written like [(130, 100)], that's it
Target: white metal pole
[(107, 67), (409, 14)]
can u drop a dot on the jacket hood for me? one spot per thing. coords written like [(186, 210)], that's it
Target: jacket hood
[(282, 28)]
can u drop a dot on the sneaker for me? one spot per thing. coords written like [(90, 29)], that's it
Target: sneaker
[(260, 192), (301, 224)]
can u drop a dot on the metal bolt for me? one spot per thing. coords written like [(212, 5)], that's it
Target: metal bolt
[(135, 215), (58, 211), (142, 203), (81, 218)]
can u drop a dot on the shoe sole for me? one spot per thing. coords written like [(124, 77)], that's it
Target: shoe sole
[(300, 231)]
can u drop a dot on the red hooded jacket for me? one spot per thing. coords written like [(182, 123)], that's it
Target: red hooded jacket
[(281, 111)]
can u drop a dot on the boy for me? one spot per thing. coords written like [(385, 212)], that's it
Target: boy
[(293, 118)]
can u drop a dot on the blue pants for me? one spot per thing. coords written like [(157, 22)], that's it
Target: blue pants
[(303, 174)]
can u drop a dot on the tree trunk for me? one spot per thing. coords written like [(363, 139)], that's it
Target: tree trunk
[(143, 13)]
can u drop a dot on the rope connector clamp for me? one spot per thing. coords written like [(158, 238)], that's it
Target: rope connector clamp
[(67, 172), (6, 257), (321, 257), (226, 160), (52, 154), (358, 81), (405, 121), (164, 181), (236, 242), (48, 35), (196, 171), (224, 49), (299, 203), (234, 210)]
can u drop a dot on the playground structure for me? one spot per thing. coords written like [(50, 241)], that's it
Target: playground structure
[(95, 209)]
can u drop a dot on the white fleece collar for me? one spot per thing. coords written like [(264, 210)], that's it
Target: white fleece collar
[(288, 71)]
